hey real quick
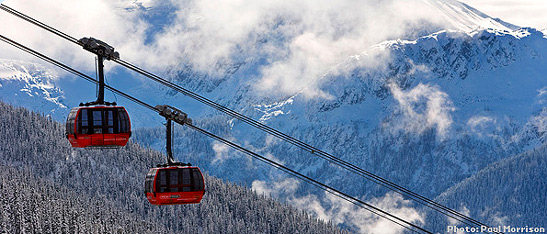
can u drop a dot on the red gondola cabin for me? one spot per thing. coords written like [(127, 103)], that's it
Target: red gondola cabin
[(98, 126), (174, 185)]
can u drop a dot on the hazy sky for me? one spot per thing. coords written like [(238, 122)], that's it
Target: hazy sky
[(525, 13)]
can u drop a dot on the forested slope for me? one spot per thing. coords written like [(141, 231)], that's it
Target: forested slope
[(32, 205), (510, 192), (48, 187)]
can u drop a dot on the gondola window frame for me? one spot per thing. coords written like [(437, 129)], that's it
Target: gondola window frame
[(123, 121)]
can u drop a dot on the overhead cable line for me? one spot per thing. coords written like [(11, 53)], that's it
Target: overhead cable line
[(38, 23), (375, 210), (68, 69), (317, 152)]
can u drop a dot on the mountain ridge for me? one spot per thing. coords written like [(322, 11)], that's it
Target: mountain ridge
[(466, 18)]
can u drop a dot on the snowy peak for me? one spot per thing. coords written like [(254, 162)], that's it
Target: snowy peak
[(31, 85), (500, 68), (26, 72), (466, 18), (443, 90)]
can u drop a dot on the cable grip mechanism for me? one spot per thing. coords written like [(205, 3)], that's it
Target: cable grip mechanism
[(99, 48), (174, 114)]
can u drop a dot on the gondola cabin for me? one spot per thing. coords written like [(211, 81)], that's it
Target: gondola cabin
[(174, 185), (98, 126)]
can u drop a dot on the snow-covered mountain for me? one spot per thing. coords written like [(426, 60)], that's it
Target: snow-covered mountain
[(440, 109), (466, 18), (449, 97), (230, 75), (31, 85), (445, 106), (428, 111)]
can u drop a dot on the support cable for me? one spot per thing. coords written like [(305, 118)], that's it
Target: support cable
[(75, 72), (38, 23)]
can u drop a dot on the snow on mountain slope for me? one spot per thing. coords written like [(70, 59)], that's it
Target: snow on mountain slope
[(466, 18), (449, 90), (510, 192), (252, 62), (31, 85)]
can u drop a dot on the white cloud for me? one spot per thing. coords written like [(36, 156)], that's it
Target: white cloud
[(463, 210), (499, 220), (340, 211), (483, 125), (395, 205), (100, 19), (221, 152), (540, 122), (276, 188), (542, 96), (477, 121), (363, 221), (300, 41), (422, 107)]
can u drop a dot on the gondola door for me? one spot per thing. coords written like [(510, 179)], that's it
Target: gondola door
[(109, 136), (97, 134)]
